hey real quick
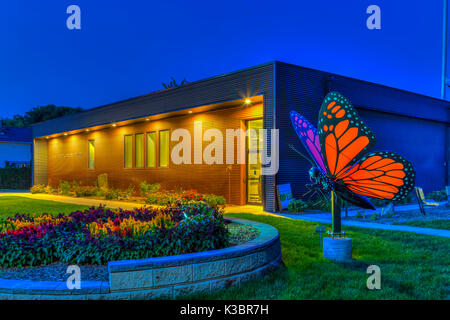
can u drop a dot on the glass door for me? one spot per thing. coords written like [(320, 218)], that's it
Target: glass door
[(254, 147)]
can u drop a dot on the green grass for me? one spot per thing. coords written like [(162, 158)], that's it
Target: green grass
[(412, 266), (10, 205), (436, 224)]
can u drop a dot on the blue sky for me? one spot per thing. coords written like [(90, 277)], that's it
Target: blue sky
[(127, 48)]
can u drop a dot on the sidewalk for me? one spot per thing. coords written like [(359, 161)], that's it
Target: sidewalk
[(80, 201), (326, 218)]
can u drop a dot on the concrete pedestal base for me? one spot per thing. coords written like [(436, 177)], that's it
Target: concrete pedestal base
[(338, 249)]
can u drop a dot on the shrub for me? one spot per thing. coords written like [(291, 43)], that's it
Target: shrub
[(99, 235), (214, 200), (147, 188), (65, 188), (374, 216), (297, 205), (38, 188), (15, 178), (439, 195), (359, 215), (112, 194), (86, 191)]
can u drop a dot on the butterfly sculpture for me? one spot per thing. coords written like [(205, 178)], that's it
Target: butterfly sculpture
[(339, 149)]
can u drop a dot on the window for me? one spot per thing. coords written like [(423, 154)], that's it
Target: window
[(91, 154), (164, 148), (128, 150), (151, 149), (139, 150)]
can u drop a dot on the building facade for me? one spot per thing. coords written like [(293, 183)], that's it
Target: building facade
[(134, 140), (15, 147)]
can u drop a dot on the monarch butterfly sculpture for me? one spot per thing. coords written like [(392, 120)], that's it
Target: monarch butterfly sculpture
[(339, 149)]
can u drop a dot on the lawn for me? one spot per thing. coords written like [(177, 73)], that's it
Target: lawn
[(412, 266), (436, 224), (10, 205)]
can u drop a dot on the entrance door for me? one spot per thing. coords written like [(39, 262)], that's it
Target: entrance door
[(254, 147)]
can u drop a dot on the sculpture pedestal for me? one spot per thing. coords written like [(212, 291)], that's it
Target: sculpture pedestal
[(338, 249)]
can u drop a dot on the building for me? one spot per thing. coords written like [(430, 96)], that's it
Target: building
[(130, 140), (15, 146)]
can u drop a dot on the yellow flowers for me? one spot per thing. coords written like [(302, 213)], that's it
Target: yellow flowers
[(129, 226), (16, 224)]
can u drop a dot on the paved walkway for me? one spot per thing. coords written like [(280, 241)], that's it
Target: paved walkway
[(321, 219), (325, 217), (80, 201)]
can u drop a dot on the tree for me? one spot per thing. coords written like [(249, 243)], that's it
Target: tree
[(39, 114), (173, 83)]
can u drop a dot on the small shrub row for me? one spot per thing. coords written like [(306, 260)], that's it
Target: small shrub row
[(151, 192)]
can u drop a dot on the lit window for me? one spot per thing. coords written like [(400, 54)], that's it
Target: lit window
[(91, 154), (128, 150), (151, 149), (164, 148), (139, 150)]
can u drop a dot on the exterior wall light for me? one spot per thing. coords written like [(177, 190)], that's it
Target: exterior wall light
[(248, 101), (114, 125)]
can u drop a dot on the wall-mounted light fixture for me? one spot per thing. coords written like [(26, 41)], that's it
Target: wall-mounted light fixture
[(248, 101)]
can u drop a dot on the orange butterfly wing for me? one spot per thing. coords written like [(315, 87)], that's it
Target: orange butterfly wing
[(382, 175), (344, 138)]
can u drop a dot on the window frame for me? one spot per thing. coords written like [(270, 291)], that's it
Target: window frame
[(89, 154), (135, 151), (159, 149), (125, 151), (147, 149)]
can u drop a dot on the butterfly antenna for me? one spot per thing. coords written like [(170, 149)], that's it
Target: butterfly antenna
[(301, 154)]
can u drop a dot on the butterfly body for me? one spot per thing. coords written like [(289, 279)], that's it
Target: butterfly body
[(339, 149), (327, 185)]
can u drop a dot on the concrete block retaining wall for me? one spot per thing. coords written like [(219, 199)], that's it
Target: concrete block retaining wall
[(167, 277)]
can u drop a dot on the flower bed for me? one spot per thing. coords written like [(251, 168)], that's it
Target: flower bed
[(99, 235)]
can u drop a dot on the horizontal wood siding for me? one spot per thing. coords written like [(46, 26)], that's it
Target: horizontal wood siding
[(68, 156)]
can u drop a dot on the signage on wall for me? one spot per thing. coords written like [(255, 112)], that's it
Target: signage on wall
[(284, 195)]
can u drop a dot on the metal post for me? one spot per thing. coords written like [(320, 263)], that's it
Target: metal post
[(444, 49), (335, 214)]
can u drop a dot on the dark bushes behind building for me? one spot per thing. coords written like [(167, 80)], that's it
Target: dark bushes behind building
[(15, 178)]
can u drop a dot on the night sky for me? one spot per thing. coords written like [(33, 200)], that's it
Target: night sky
[(127, 48)]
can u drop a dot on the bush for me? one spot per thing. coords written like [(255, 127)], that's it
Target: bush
[(39, 188), (163, 198), (214, 200), (112, 194), (439, 195), (374, 216), (64, 188), (86, 191), (147, 188), (297, 205), (15, 178), (98, 235)]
